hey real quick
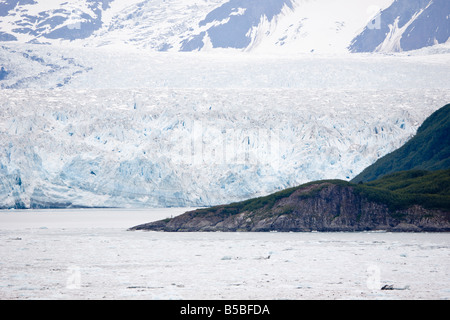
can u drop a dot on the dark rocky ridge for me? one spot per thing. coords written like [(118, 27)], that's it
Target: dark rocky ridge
[(323, 206)]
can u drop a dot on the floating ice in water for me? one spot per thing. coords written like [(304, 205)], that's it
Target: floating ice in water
[(107, 262)]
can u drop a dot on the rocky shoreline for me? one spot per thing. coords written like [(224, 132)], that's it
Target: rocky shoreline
[(323, 207)]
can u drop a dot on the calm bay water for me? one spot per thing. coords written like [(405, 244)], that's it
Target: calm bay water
[(89, 254)]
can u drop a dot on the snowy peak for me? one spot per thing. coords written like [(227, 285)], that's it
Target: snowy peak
[(274, 26), (406, 25), (232, 24), (33, 21)]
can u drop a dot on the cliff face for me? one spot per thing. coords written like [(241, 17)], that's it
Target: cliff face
[(323, 207)]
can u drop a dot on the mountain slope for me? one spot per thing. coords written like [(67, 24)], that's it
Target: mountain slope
[(39, 21), (230, 25), (414, 200), (282, 26), (406, 25), (429, 149)]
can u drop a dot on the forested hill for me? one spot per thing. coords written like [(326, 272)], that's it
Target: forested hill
[(429, 149)]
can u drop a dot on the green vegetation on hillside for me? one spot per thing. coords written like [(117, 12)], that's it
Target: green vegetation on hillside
[(429, 189), (266, 202), (401, 190), (429, 149)]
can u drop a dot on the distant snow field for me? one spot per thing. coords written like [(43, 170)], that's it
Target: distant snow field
[(89, 254)]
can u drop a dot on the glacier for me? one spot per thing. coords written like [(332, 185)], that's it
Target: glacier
[(49, 67), (119, 117), (174, 135)]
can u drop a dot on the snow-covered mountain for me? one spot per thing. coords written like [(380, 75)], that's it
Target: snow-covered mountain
[(231, 25), (406, 25), (34, 21), (287, 26)]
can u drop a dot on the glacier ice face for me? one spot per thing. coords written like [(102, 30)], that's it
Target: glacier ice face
[(192, 147)]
